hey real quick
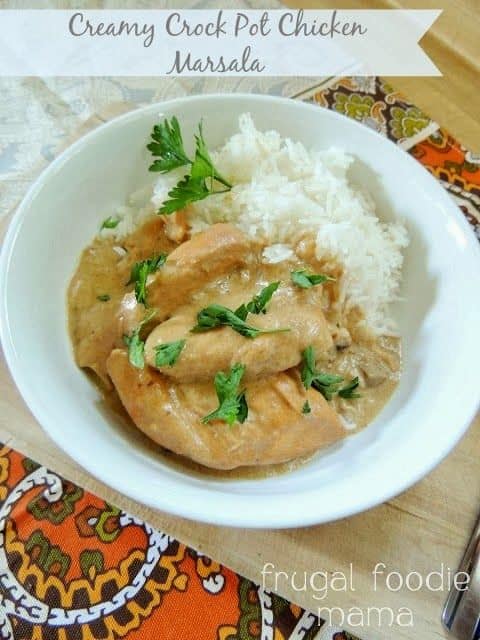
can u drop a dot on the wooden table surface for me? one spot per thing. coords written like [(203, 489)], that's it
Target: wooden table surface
[(417, 531)]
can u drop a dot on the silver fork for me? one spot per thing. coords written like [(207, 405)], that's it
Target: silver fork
[(461, 614)]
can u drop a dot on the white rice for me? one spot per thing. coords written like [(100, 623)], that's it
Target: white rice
[(281, 192), (138, 208)]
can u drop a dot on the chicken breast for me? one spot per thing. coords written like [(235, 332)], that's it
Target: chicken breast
[(100, 326), (218, 250), (97, 326), (217, 350), (275, 431)]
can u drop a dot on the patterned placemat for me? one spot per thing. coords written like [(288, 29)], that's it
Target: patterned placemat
[(73, 567), (373, 102)]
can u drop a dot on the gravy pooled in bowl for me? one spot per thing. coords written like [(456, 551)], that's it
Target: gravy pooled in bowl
[(226, 360)]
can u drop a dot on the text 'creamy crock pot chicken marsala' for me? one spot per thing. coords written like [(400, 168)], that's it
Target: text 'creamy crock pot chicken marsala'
[(224, 347)]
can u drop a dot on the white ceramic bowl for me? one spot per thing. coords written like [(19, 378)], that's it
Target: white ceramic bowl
[(439, 320)]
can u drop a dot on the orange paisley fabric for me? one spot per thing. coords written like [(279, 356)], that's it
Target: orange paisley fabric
[(73, 567)]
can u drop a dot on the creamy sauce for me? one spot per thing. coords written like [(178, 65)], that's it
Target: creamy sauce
[(104, 270), (384, 357)]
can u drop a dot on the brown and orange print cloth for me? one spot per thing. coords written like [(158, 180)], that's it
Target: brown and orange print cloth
[(73, 567)]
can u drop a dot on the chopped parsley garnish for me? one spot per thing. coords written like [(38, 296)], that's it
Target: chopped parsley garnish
[(258, 303), (135, 345), (327, 384), (140, 272), (136, 349), (184, 192), (167, 145), (167, 354), (203, 166), (308, 371), (110, 223), (306, 407), (216, 315), (242, 414), (203, 179), (104, 297), (306, 280), (232, 402), (349, 390)]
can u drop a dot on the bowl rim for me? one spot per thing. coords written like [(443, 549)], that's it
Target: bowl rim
[(196, 508)]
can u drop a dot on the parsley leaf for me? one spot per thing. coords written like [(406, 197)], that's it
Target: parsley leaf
[(306, 407), (135, 345), (326, 383), (308, 371), (110, 223), (140, 272), (242, 414), (185, 192), (242, 312), (168, 353), (136, 349), (258, 303), (348, 391), (104, 297), (203, 166), (167, 145), (232, 403), (216, 315), (203, 177), (306, 280)]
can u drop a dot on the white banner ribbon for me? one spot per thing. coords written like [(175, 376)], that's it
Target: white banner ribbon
[(214, 42)]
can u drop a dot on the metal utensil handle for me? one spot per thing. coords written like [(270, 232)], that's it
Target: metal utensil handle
[(461, 614)]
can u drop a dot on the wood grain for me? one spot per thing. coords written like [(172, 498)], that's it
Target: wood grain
[(453, 43)]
